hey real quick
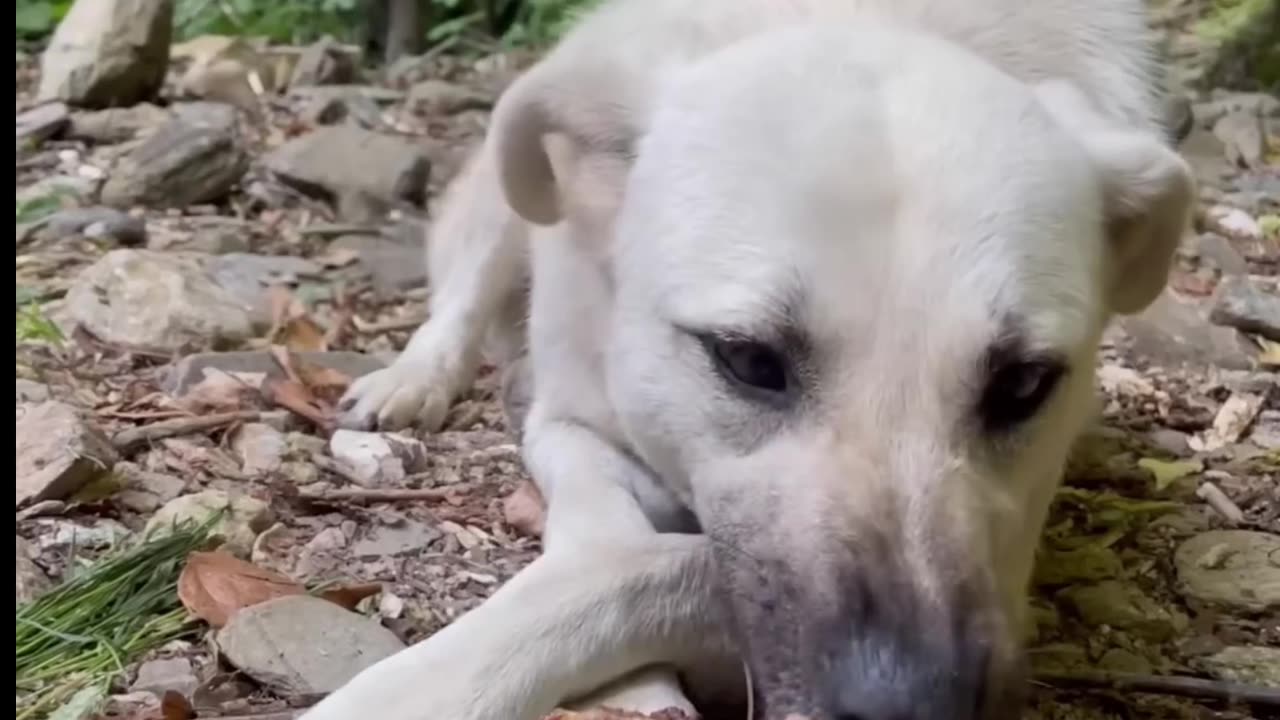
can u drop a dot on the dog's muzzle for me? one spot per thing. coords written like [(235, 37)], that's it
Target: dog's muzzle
[(871, 645)]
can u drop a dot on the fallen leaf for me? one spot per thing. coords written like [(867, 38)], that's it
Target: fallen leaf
[(1233, 418), (291, 324), (296, 398), (215, 585), (351, 595), (1166, 473), (525, 510), (175, 706), (325, 384)]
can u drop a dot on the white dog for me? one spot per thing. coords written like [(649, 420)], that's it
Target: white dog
[(816, 290)]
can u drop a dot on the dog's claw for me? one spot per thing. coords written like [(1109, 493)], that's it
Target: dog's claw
[(395, 398)]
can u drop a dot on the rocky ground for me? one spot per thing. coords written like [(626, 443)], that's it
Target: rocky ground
[(201, 271)]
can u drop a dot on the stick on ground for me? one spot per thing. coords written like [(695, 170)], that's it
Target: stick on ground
[(1189, 687)]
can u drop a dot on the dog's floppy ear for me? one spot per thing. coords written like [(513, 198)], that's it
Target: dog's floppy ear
[(550, 120), (1148, 196)]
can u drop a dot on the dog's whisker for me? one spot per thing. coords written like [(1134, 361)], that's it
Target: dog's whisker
[(751, 691)]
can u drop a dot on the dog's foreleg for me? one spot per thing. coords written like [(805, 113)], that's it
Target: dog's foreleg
[(476, 256), (567, 624)]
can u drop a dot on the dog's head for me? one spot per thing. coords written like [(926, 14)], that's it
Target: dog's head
[(860, 282)]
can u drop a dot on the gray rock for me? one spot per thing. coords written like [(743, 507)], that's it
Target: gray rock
[(302, 645), (76, 189), (1242, 302), (30, 391), (190, 370), (108, 52), (159, 676), (243, 519), (116, 125), (409, 536), (157, 300), (261, 448), (393, 267), (1121, 660), (1086, 564), (100, 535), (248, 277), (1243, 138), (324, 62), (1174, 332), (145, 491), (1221, 253), (58, 452), (184, 162), (1123, 607), (392, 170), (1058, 657), (41, 123), (1232, 569), (437, 97), (344, 105), (378, 459), (32, 582), (1254, 665), (97, 223)]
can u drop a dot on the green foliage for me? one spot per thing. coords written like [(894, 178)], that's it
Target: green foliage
[(74, 641), (37, 18), (284, 21), (32, 325)]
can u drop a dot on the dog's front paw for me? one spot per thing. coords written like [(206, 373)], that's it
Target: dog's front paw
[(398, 397)]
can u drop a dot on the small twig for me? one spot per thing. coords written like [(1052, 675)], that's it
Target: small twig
[(132, 438), (1219, 501), (1164, 685), (379, 494)]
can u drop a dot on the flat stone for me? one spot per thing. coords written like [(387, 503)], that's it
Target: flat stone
[(96, 223), (1232, 569), (378, 459), (1173, 332), (41, 122), (1221, 253), (303, 645), (349, 105), (408, 536), (1241, 133), (187, 161), (1246, 305), (392, 266), (1123, 607), (238, 527), (157, 300), (1086, 564), (249, 277), (190, 370), (1253, 665), (99, 535), (261, 448), (116, 125), (145, 491), (108, 52), (30, 391), (32, 581), (392, 170), (437, 97), (160, 676), (58, 452), (324, 62), (73, 188)]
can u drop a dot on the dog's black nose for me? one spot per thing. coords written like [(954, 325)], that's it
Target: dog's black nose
[(919, 673)]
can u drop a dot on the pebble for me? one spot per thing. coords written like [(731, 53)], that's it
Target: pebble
[(1123, 607), (186, 161), (238, 527), (95, 223), (32, 581), (58, 452), (1242, 303), (1231, 569), (248, 277), (378, 459), (1254, 665), (30, 391), (103, 533), (261, 448), (160, 676), (156, 300), (302, 645), (408, 536), (41, 122)]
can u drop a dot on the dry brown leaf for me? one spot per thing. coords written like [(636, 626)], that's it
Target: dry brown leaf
[(175, 706), (525, 510), (216, 585), (291, 325), (325, 384), (295, 397), (351, 595)]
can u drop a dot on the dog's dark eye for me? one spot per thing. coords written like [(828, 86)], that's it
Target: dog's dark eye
[(749, 363), (1015, 392)]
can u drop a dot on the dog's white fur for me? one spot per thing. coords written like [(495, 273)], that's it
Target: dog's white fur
[(894, 176)]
